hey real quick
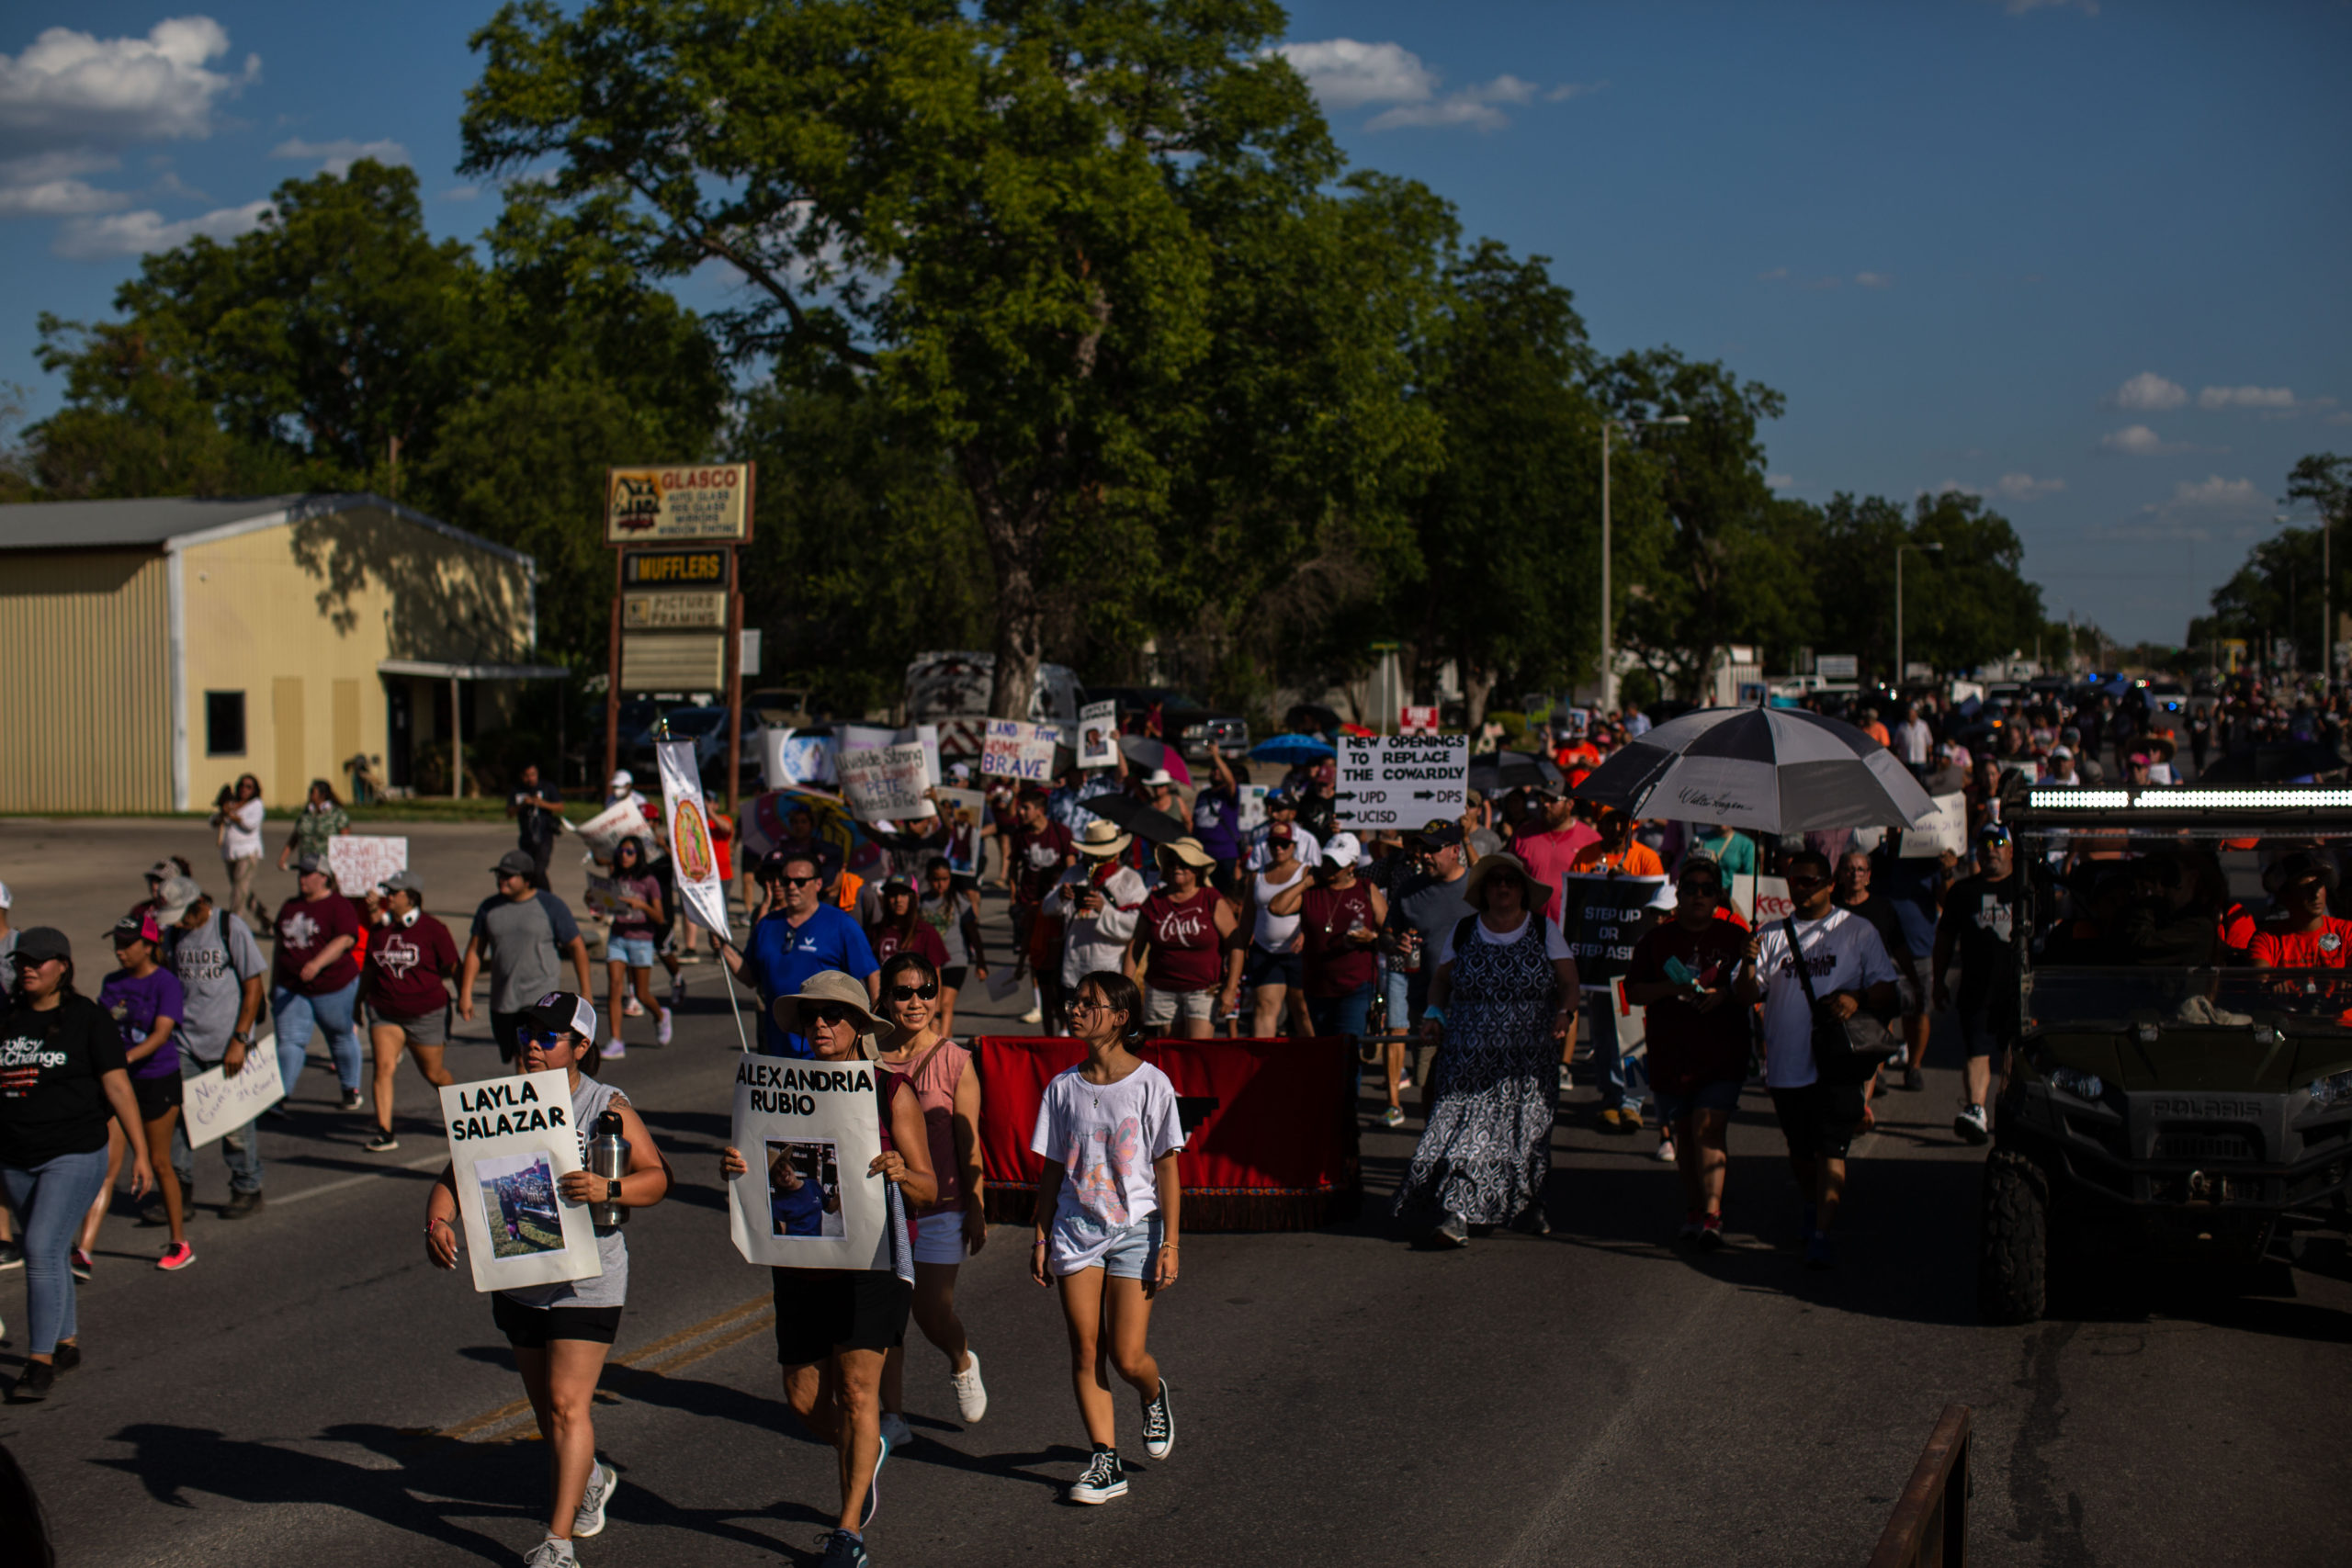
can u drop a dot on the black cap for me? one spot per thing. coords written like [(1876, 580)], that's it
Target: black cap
[(514, 863), (37, 942), (1436, 834), (136, 928)]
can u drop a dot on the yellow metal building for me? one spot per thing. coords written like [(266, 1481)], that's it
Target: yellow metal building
[(151, 651)]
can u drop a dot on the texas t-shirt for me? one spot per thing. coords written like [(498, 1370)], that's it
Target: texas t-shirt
[(406, 966), (135, 1003), (1842, 953), (1688, 1048), (305, 927), (1980, 915), (1104, 1137), (52, 1100)]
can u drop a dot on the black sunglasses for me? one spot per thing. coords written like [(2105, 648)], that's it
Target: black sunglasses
[(830, 1012), (907, 993), (795, 881)]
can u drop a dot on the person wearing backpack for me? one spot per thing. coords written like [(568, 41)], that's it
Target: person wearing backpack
[(1845, 971), (224, 978)]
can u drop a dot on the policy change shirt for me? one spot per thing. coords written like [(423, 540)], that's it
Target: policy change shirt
[(52, 1099), (1842, 953), (1104, 1137)]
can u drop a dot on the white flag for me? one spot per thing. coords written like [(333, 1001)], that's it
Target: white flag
[(694, 860)]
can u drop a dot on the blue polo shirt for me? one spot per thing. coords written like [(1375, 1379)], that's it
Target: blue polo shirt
[(782, 957)]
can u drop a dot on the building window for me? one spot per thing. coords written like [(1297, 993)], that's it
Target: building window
[(224, 724)]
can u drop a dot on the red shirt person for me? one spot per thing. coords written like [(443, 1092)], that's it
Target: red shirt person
[(2305, 936)]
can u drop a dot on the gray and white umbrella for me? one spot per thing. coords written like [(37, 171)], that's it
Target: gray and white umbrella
[(1775, 770)]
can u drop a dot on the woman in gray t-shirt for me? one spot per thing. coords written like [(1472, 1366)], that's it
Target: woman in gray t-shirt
[(561, 1332)]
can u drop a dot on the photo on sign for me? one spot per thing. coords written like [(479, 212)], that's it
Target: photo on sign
[(518, 1203), (804, 1190)]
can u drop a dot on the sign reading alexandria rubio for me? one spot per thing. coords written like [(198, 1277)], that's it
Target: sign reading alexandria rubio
[(510, 1141), (808, 1130), (687, 501), (1394, 780)]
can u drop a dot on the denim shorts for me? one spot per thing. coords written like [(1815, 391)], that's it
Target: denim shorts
[(636, 951), (1721, 1095), (1133, 1249)]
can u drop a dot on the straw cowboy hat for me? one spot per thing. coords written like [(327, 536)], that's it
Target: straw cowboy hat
[(1474, 889), (1103, 840), (1187, 849), (836, 987)]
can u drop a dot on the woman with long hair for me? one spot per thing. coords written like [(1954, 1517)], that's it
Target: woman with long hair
[(322, 819), (900, 928), (1107, 1212), (950, 905), (915, 1048), (67, 1085), (146, 1003), (638, 920), (1502, 997)]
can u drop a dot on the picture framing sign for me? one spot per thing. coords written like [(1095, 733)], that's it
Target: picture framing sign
[(218, 1101), (1012, 750), (361, 862), (884, 784), (678, 501), (1601, 917), (1098, 735), (510, 1140), (808, 1130), (1400, 782)]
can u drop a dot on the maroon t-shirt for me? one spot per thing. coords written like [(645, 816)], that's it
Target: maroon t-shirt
[(1688, 1048), (925, 941), (304, 928), (1183, 941), (1334, 964), (406, 966)]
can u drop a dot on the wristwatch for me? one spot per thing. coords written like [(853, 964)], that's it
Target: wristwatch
[(243, 1037), (612, 1192)]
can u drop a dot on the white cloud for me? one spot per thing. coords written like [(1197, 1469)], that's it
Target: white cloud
[(1873, 280), (461, 193), (336, 157), (71, 86), (2246, 398), (2218, 497), (2025, 487), (44, 185), (1567, 90), (1780, 481), (2150, 393), (1346, 74), (138, 233), (2020, 8), (2138, 441), (1473, 107), (1775, 276)]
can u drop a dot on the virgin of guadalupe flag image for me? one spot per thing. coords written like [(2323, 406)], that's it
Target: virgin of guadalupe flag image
[(692, 856)]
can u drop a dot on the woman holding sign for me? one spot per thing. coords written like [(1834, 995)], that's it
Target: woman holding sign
[(562, 1332), (1107, 1203), (835, 1327)]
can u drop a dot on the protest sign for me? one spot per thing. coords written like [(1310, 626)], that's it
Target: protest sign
[(1411, 720), (1395, 781), (1945, 827), (1769, 901), (966, 812), (694, 858), (603, 833), (789, 758), (1601, 917), (360, 862), (510, 1141), (808, 1130), (218, 1101), (884, 784), (1633, 1023), (1016, 751), (1251, 801), (1098, 735)]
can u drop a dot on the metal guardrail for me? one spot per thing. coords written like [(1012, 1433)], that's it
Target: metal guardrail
[(1929, 1526)]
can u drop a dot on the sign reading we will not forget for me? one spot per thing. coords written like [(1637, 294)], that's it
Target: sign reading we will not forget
[(1012, 750), (1395, 781), (217, 1100), (361, 862)]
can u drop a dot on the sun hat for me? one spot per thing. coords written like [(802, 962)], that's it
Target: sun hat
[(1473, 887), (1103, 840), (175, 898), (830, 986), (1186, 849), (1159, 778)]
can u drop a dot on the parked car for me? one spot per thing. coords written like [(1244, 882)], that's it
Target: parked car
[(1192, 726)]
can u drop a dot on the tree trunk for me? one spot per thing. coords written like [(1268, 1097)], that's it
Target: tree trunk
[(1478, 685), (1012, 541)]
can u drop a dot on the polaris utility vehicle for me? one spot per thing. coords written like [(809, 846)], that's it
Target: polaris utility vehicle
[(2182, 1080)]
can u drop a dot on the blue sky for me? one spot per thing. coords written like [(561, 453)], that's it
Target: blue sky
[(2085, 259)]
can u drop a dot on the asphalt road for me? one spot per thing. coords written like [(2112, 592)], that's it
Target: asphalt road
[(314, 1391)]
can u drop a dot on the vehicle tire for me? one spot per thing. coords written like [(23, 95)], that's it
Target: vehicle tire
[(2013, 1258)]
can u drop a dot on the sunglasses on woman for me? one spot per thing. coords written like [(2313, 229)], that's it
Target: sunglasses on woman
[(829, 1012), (907, 993)]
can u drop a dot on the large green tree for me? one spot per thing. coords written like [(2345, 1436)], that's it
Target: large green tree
[(1965, 598)]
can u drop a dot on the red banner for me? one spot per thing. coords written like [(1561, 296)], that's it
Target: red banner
[(1270, 1126)]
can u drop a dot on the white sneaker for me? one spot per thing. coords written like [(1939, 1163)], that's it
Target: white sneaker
[(662, 1030), (1972, 1125), (1666, 1151), (614, 1050), (602, 1484), (1034, 1015), (632, 1008), (551, 1554), (972, 1394), (896, 1431)]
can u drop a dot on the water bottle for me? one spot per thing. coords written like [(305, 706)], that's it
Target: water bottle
[(608, 1161)]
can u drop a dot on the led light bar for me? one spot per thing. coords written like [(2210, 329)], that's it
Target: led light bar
[(2185, 800), (2078, 799)]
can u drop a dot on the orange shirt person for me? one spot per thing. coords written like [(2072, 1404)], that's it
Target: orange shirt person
[(1617, 849)]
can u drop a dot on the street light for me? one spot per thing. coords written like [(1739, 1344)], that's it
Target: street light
[(1607, 653), (1931, 548)]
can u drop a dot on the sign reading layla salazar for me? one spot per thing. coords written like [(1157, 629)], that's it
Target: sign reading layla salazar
[(808, 1130), (660, 505), (1396, 781), (1016, 751), (884, 784), (693, 860), (1601, 919), (361, 862), (510, 1140)]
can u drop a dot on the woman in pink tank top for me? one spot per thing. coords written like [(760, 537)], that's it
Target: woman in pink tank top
[(940, 1075)]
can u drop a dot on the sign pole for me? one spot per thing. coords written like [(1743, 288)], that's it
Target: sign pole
[(612, 687), (734, 683)]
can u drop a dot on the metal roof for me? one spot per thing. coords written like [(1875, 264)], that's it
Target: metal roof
[(171, 522)]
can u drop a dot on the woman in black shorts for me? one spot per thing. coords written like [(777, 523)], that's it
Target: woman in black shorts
[(561, 1332), (834, 1327)]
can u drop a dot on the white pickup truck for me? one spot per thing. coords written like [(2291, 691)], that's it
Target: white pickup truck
[(953, 690)]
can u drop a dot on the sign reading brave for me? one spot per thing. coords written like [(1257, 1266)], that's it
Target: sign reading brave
[(1398, 781), (1016, 751), (1601, 917), (687, 501)]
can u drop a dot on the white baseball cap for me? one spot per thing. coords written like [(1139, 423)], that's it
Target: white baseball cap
[(623, 779), (1344, 847), (565, 1010)]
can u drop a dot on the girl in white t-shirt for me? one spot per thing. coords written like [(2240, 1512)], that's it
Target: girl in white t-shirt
[(1107, 1218)]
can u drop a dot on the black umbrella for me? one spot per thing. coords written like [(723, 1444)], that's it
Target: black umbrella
[(2273, 761), (1145, 823), (1500, 771), (1774, 770)]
